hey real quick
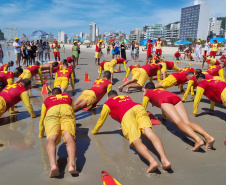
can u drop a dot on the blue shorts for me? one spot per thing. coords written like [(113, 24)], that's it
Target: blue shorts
[(117, 52), (113, 52)]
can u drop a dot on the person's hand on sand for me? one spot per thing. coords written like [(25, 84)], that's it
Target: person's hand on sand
[(194, 115), (93, 132)]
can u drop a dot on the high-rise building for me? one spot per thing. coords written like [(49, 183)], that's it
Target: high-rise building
[(92, 31), (62, 37), (195, 21), (215, 26), (82, 35), (10, 33), (97, 31), (155, 31), (24, 37), (173, 32)]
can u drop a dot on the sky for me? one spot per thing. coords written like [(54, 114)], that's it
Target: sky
[(74, 16)]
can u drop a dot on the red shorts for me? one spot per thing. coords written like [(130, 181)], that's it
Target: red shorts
[(56, 54), (158, 51), (172, 100), (70, 67), (213, 53)]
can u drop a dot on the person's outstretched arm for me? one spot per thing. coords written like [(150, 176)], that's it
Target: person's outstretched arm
[(109, 89), (127, 74), (159, 75), (26, 100), (190, 84), (145, 101), (221, 73), (40, 74), (103, 116), (100, 72), (72, 82), (197, 100), (41, 122)]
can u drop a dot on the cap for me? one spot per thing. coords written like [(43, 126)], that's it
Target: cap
[(75, 41), (16, 38), (199, 41), (215, 40), (177, 52), (100, 40), (187, 49), (55, 41), (204, 55), (223, 57), (159, 37), (148, 40)]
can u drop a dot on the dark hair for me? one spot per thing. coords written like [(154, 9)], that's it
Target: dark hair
[(190, 73), (18, 70), (200, 75), (73, 56), (157, 61), (37, 63), (2, 84), (65, 63), (160, 66), (11, 63), (112, 93), (198, 71), (55, 64), (64, 60), (149, 85), (107, 74), (56, 91), (26, 82)]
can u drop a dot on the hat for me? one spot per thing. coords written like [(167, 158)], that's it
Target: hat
[(55, 41), (100, 40), (177, 52), (204, 55), (16, 38), (148, 40), (215, 40), (223, 57), (75, 41), (187, 49), (159, 37), (199, 41)]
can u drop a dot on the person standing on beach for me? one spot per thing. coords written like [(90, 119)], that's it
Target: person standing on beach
[(98, 52), (215, 47), (198, 51), (75, 52), (207, 47), (132, 51), (46, 48), (56, 52), (149, 51), (158, 45), (117, 51), (34, 49), (1, 54), (113, 50), (136, 51), (24, 55), (29, 53), (123, 50), (17, 50)]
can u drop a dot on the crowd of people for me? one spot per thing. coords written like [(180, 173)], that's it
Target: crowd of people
[(58, 110)]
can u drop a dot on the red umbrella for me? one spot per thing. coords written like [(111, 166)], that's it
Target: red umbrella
[(112, 40)]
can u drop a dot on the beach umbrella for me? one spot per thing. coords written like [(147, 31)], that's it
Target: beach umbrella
[(219, 39), (112, 40), (126, 41), (183, 42), (144, 42), (86, 41), (38, 33)]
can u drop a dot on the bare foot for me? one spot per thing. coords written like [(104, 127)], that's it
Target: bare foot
[(197, 145), (120, 88), (54, 172), (166, 165), (73, 171), (127, 89), (153, 166), (209, 143)]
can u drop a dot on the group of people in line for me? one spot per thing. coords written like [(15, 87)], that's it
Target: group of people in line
[(58, 110)]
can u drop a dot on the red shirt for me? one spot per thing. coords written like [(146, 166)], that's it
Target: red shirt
[(11, 94), (149, 49), (33, 69), (195, 84), (151, 69), (177, 55), (213, 89), (69, 59), (58, 99), (181, 76), (102, 64), (214, 70), (120, 60), (5, 75), (134, 66), (97, 48), (119, 105), (2, 67), (225, 63), (169, 65), (55, 69), (100, 87), (64, 73), (159, 96)]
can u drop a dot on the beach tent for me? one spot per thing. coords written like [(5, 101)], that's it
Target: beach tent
[(219, 39), (182, 42)]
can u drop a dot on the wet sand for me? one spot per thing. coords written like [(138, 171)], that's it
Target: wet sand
[(23, 159)]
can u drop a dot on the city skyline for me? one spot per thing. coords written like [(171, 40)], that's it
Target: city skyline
[(55, 15)]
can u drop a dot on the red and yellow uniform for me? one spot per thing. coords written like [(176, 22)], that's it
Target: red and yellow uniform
[(166, 65), (211, 61), (177, 54), (145, 72), (121, 61), (107, 66), (57, 116), (133, 69), (216, 71), (4, 67), (62, 78), (98, 51), (11, 95), (214, 90), (188, 54), (100, 87), (159, 96), (157, 58), (158, 47), (177, 78), (193, 83), (132, 116), (149, 49), (7, 77), (31, 71), (55, 69), (215, 47), (69, 60)]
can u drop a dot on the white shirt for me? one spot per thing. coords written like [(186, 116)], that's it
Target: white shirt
[(207, 46), (17, 50)]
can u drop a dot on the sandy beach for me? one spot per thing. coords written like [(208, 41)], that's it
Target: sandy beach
[(23, 159)]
